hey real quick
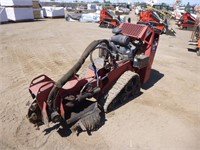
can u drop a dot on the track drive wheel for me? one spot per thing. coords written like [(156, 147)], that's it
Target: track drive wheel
[(126, 87)]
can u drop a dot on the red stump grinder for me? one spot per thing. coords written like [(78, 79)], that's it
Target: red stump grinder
[(150, 17), (186, 20), (108, 19), (124, 63)]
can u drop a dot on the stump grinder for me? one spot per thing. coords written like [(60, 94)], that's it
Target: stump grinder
[(151, 17), (124, 63), (187, 20), (108, 19)]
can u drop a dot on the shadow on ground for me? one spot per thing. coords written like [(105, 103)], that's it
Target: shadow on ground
[(189, 29), (194, 50), (65, 130), (154, 78), (22, 21)]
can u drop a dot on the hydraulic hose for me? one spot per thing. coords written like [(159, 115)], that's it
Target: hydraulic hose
[(59, 84)]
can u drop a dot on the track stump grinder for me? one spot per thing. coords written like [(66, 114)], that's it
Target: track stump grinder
[(124, 63), (153, 18), (187, 21), (108, 19)]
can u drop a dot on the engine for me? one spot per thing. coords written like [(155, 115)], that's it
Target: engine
[(122, 44)]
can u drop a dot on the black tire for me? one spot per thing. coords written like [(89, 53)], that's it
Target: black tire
[(67, 18)]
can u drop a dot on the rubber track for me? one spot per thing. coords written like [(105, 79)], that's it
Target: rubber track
[(118, 86)]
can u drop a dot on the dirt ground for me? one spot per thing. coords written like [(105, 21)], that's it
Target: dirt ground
[(165, 116)]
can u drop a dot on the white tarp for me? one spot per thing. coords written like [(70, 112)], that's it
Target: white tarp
[(19, 14), (90, 17), (42, 13), (53, 11), (3, 15), (123, 18), (16, 2)]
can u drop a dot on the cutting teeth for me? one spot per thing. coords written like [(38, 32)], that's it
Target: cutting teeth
[(33, 116)]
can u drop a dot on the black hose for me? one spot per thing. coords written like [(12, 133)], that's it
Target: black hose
[(59, 84)]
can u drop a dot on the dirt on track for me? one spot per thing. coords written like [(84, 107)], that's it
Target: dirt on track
[(165, 116)]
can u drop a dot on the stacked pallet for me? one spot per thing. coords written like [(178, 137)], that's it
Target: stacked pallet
[(37, 10), (18, 10), (53, 12)]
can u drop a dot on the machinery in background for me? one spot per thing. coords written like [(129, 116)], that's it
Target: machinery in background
[(164, 11), (164, 14), (195, 40), (108, 19), (152, 18), (187, 20)]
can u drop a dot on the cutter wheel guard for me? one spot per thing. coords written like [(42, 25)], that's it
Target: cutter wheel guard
[(113, 78)]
